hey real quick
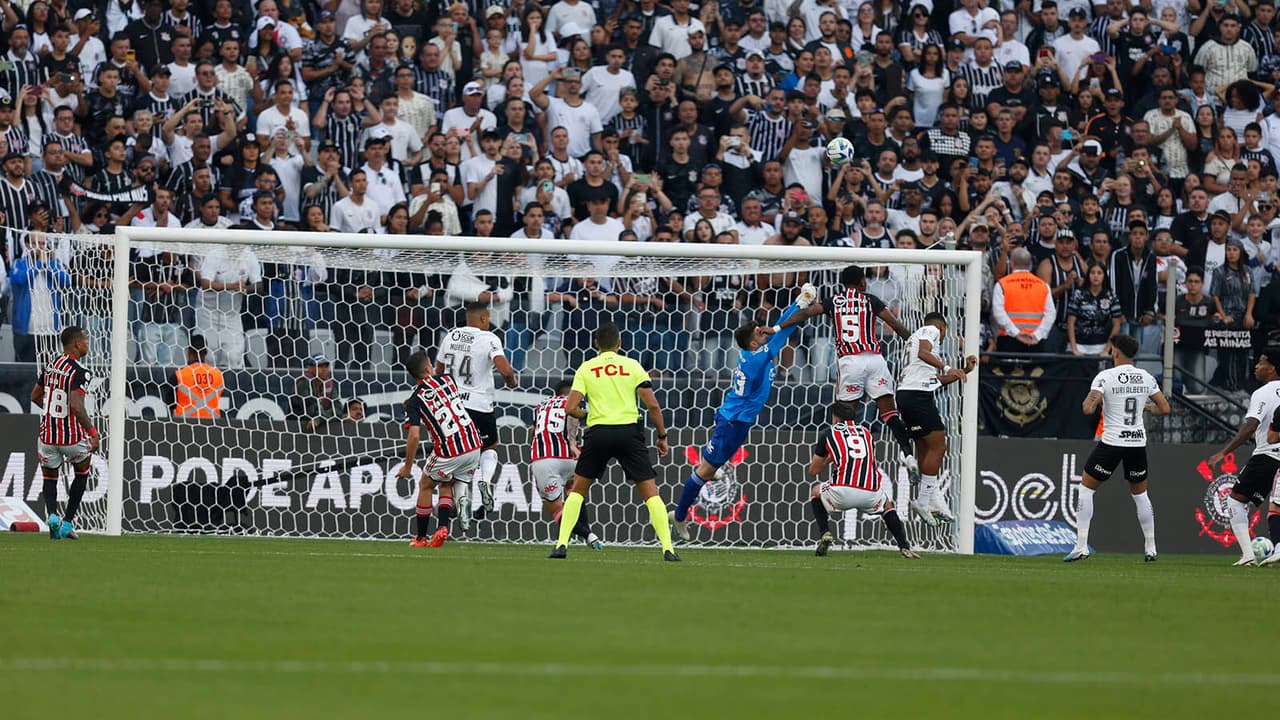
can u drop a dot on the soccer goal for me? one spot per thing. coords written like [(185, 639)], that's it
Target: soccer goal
[(308, 331)]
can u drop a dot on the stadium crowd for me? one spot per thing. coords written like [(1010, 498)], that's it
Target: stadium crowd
[(1097, 147)]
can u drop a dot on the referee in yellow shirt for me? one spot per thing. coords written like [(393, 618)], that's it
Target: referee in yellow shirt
[(612, 382)]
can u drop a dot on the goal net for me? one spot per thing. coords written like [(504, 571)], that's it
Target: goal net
[(309, 331)]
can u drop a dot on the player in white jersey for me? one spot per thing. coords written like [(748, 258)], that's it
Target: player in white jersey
[(470, 354), (924, 373), (553, 454), (1122, 390), (1256, 480)]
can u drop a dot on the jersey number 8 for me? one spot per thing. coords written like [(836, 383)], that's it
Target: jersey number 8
[(57, 404)]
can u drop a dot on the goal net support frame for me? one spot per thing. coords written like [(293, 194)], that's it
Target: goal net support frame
[(969, 263)]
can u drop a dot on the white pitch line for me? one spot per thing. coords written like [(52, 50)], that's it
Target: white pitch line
[(822, 672)]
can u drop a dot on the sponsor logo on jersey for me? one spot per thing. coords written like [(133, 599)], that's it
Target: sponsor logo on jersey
[(1214, 516), (1132, 434), (610, 370)]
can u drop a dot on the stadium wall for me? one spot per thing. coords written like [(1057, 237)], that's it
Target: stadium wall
[(277, 481)]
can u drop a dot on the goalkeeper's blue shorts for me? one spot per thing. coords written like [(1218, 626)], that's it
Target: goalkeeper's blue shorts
[(728, 438)]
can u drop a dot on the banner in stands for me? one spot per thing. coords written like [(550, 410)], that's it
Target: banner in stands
[(267, 479), (1022, 399)]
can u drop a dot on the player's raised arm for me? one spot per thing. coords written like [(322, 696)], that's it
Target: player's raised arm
[(507, 372), (894, 323), (805, 306)]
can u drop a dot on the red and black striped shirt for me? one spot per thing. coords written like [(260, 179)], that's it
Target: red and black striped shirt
[(855, 316), (436, 405), (550, 430), (62, 377), (852, 454)]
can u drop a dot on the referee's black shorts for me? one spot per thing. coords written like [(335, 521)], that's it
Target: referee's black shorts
[(624, 443), (919, 412), (1257, 477)]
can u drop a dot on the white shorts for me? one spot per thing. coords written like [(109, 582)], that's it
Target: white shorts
[(451, 469), (52, 456), (864, 373), (551, 476), (838, 498)]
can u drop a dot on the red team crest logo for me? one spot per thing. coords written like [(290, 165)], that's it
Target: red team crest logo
[(721, 502), (853, 389), (1213, 517)]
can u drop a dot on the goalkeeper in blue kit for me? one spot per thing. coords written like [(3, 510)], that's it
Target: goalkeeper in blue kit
[(746, 397)]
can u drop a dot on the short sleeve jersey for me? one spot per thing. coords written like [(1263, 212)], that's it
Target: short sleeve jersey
[(1125, 390), (467, 354), (852, 453), (1263, 405), (918, 374), (855, 315), (60, 378), (551, 430), (436, 406), (609, 382)]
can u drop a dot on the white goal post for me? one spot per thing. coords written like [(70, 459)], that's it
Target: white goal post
[(962, 280)]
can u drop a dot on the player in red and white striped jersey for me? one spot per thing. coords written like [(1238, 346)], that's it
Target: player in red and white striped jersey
[(455, 456), (554, 454), (67, 433), (861, 369), (855, 482)]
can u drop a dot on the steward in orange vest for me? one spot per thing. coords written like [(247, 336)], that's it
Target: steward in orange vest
[(198, 387), (1022, 307)]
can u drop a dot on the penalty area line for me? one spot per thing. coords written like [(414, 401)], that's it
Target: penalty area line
[(819, 672)]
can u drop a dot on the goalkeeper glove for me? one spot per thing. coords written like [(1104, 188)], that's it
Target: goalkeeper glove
[(808, 293)]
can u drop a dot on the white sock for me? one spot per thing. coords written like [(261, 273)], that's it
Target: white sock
[(928, 489), (1084, 516), (1240, 526), (488, 464), (1147, 519)]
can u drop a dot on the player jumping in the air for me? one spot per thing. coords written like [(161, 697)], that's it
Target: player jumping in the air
[(67, 433), (554, 454), (855, 482), (436, 405), (861, 369), (1122, 390), (924, 373), (1256, 480), (470, 354), (748, 392)]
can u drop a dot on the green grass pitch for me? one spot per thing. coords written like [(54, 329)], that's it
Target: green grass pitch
[(155, 627)]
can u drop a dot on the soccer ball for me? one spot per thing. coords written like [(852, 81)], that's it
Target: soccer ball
[(1262, 547), (839, 151)]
